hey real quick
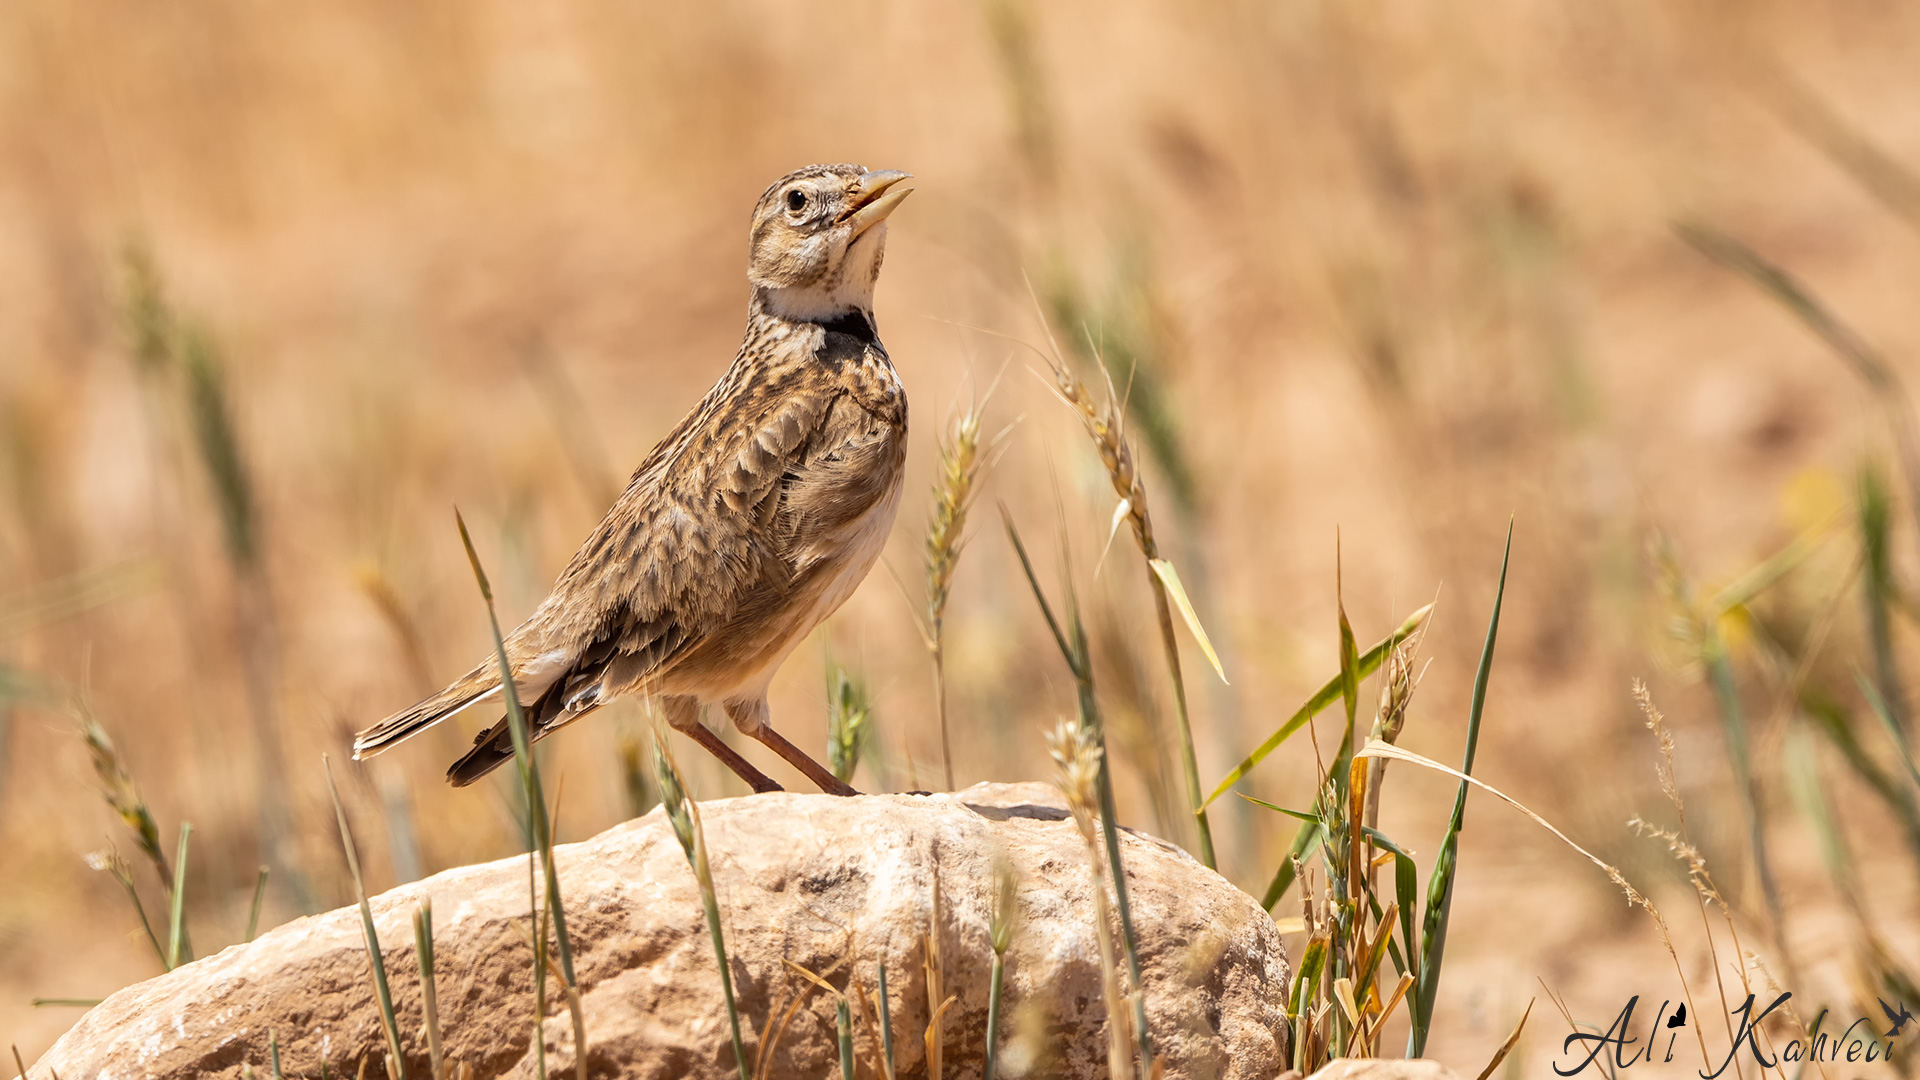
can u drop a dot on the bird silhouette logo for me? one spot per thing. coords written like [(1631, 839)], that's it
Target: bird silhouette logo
[(1679, 1017), (1899, 1018)]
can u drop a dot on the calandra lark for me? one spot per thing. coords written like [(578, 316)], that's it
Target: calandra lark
[(752, 521)]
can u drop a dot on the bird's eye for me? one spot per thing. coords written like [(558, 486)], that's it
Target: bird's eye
[(796, 200)]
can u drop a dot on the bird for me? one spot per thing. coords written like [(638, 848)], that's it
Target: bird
[(1900, 1019), (749, 524)]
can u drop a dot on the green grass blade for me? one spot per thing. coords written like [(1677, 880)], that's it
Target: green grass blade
[(259, 895), (374, 958), (1733, 722), (996, 977), (66, 1003), (1835, 723), (1306, 986), (1880, 590), (1161, 573), (684, 815), (886, 1019), (1802, 760), (1369, 663), (1304, 839), (273, 1052), (111, 862), (539, 826), (1046, 610), (429, 993), (1171, 579), (1313, 819), (179, 949), (1748, 586), (1894, 733), (1078, 655), (1406, 893), (843, 1029), (1440, 885)]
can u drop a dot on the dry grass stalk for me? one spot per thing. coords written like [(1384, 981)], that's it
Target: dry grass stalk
[(1506, 1048), (1706, 892), (953, 493), (1106, 428), (770, 1041), (935, 969), (122, 794), (999, 936), (1076, 756), (575, 1008), (1397, 684)]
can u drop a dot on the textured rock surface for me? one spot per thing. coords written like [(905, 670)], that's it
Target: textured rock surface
[(809, 878)]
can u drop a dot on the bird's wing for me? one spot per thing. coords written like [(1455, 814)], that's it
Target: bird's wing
[(851, 465), (724, 531), (755, 486), (665, 566)]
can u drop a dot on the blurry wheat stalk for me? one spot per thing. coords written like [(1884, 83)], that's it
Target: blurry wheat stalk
[(961, 460), (1071, 638), (1076, 756), (1105, 426), (173, 353), (684, 815)]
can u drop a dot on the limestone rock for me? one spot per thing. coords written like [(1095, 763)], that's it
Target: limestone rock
[(836, 885)]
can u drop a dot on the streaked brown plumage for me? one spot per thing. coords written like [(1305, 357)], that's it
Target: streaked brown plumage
[(747, 525)]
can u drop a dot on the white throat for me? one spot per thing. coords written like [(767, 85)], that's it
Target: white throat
[(847, 287)]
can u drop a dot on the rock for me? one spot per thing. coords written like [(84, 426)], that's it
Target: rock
[(814, 879), (1383, 1069)]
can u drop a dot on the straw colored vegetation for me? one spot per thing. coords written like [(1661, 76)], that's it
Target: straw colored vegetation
[(1309, 301)]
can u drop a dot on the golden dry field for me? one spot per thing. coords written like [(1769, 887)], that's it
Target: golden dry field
[(1372, 278)]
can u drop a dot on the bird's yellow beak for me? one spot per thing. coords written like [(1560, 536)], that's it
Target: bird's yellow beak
[(874, 199)]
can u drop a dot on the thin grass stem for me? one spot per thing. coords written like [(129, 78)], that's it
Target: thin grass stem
[(179, 949), (684, 815), (1439, 909), (374, 959), (539, 826), (429, 995), (1075, 650), (259, 895)]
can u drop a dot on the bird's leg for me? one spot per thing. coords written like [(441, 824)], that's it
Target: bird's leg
[(751, 717), (683, 713)]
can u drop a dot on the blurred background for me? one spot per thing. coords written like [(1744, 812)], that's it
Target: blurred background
[(285, 285)]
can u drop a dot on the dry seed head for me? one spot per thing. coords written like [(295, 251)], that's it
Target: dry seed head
[(952, 497), (1658, 725), (1076, 756), (673, 794), (1396, 689), (1005, 907), (121, 793), (1109, 439)]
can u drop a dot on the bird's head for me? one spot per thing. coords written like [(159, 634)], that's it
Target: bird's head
[(818, 238)]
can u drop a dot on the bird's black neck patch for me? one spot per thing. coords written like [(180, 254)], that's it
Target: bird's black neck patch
[(848, 337), (855, 324)]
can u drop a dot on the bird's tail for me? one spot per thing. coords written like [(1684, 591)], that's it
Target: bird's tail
[(482, 682)]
